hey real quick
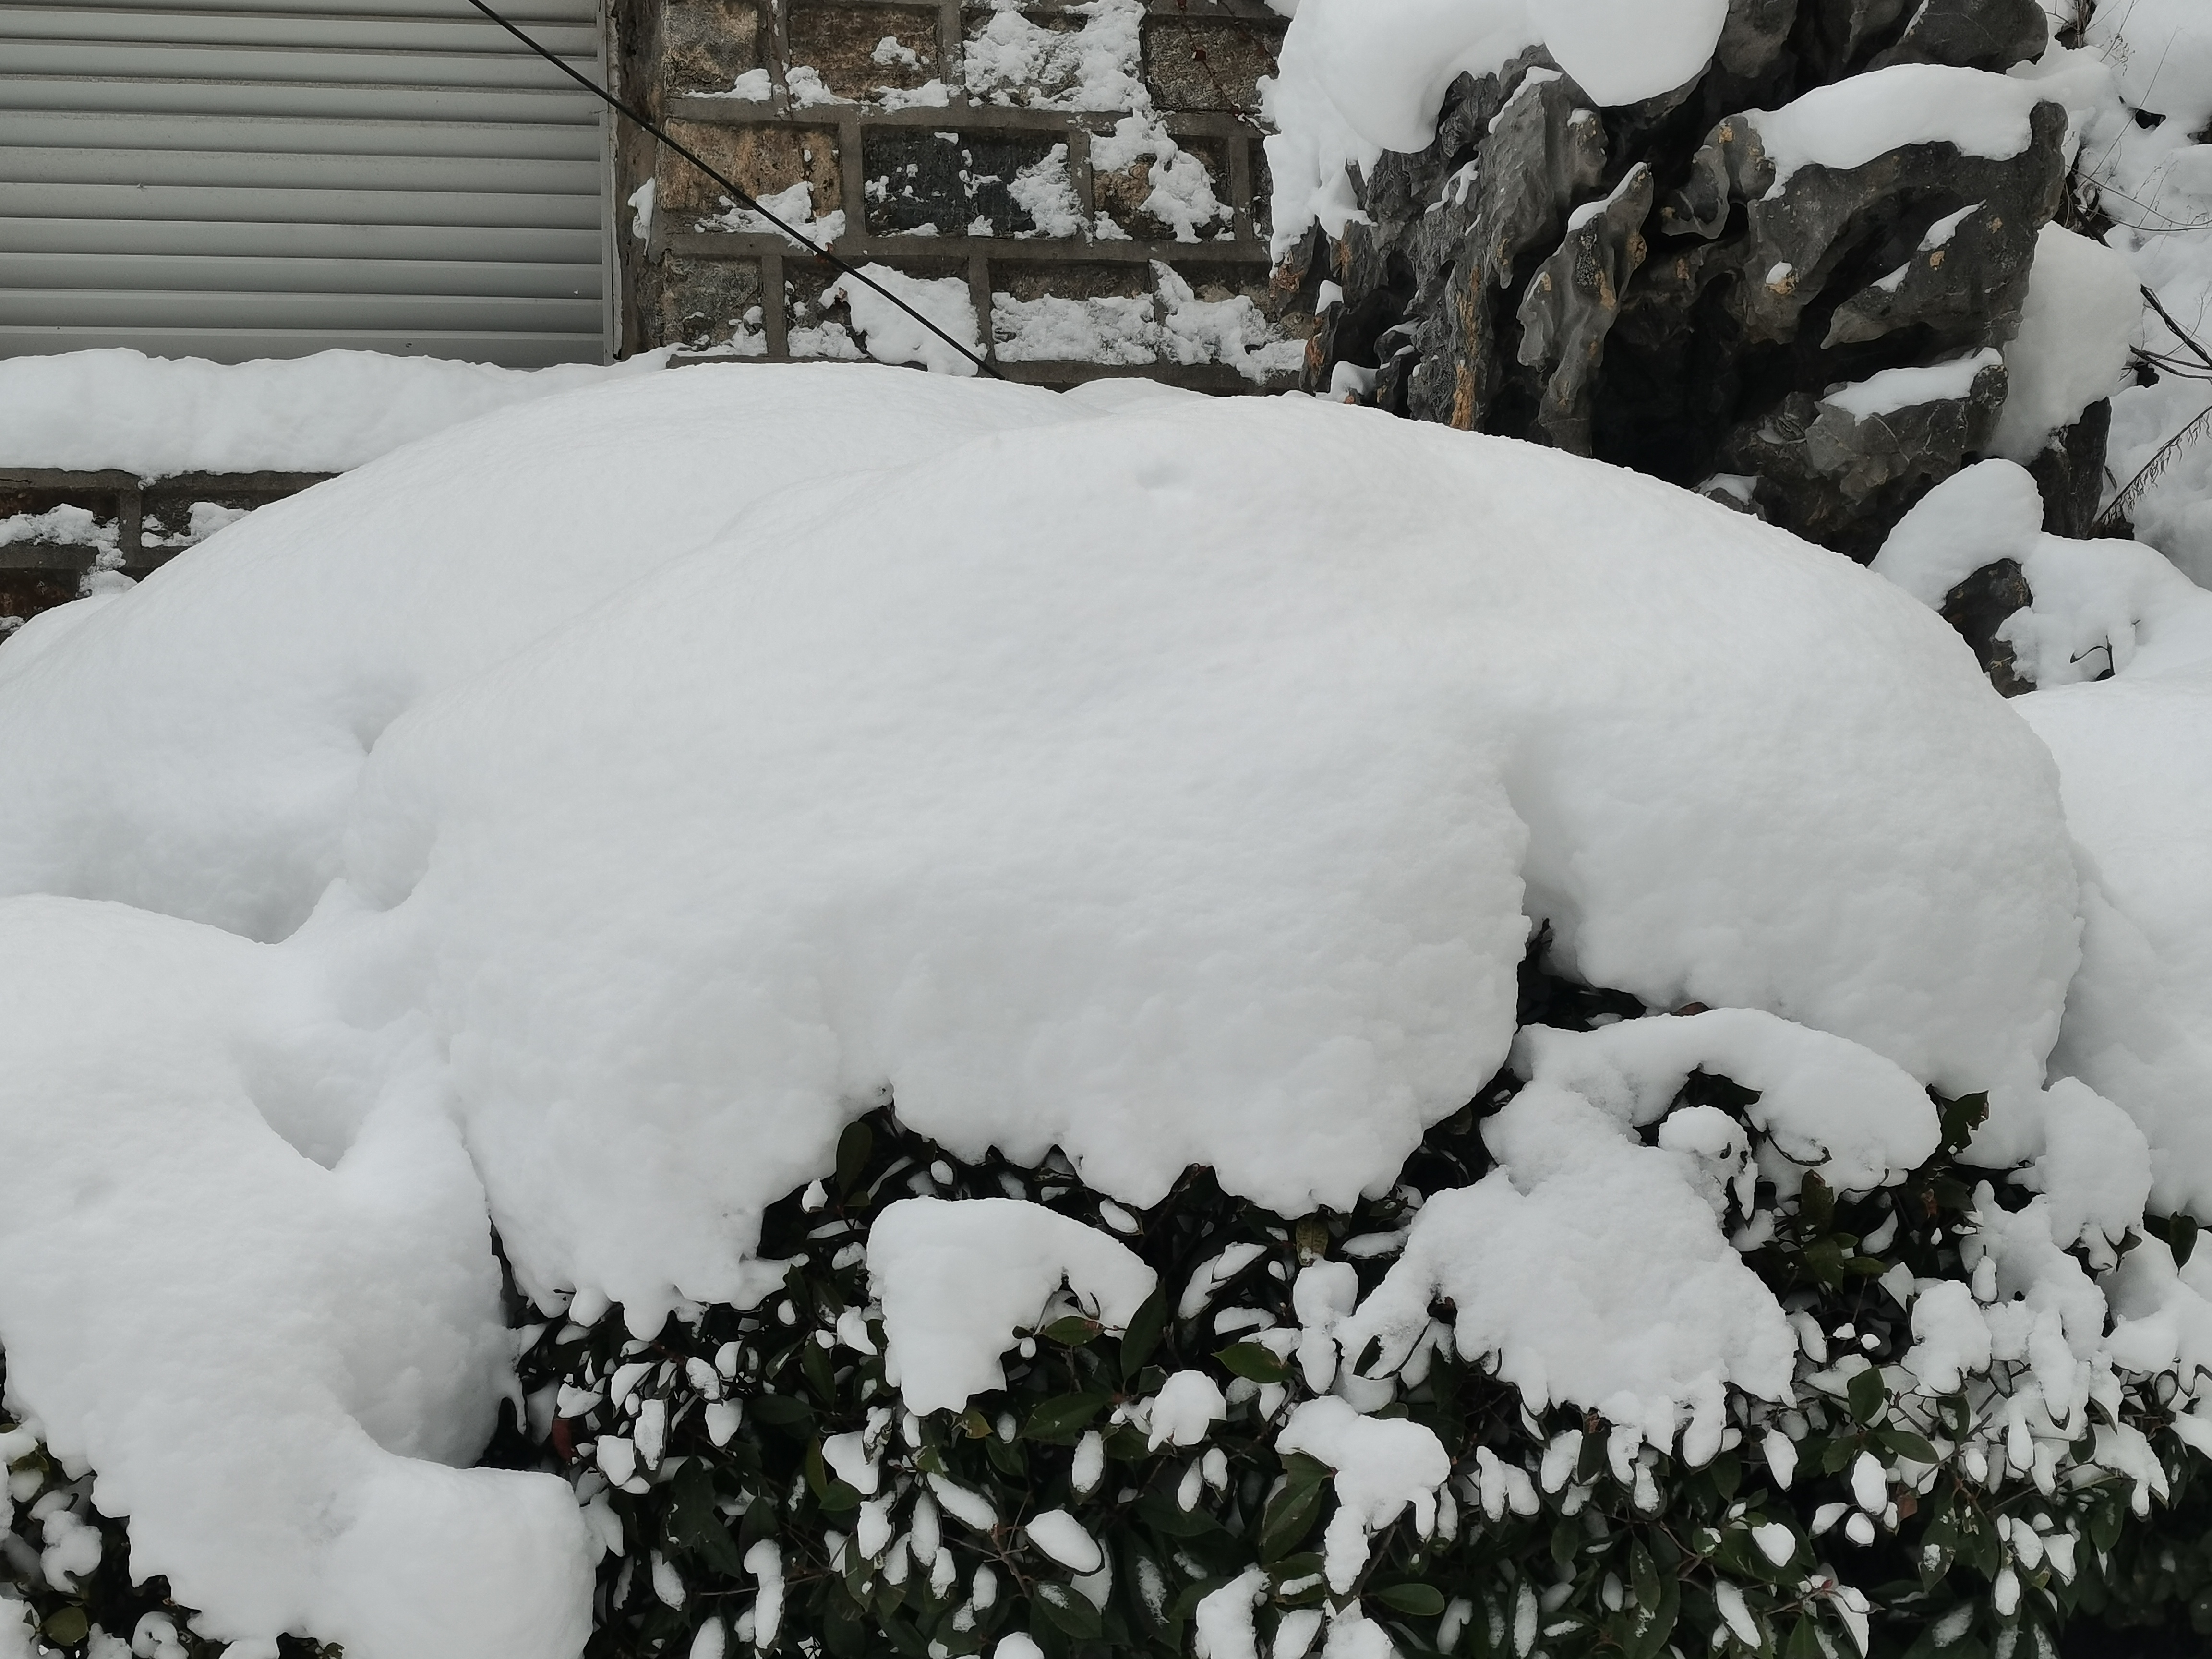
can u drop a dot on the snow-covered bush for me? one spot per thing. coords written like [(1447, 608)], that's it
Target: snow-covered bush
[(1234, 1462), (575, 847)]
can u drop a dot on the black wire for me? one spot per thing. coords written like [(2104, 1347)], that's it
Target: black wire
[(742, 197)]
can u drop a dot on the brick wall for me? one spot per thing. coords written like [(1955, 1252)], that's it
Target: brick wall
[(1089, 178)]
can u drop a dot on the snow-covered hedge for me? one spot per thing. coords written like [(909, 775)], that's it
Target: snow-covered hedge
[(1240, 1434), (1936, 1469), (591, 813)]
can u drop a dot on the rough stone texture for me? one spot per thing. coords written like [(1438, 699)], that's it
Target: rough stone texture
[(707, 44), (1071, 282), (763, 159), (1691, 320), (703, 303), (1980, 605), (2070, 473), (956, 182), (1833, 477), (876, 154), (1194, 64), (1121, 194), (846, 45), (1989, 34)]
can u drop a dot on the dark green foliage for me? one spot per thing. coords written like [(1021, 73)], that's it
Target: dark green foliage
[(1636, 1555)]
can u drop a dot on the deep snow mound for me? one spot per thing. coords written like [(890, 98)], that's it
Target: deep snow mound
[(685, 764), (196, 751)]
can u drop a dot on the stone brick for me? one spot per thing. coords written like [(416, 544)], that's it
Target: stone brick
[(763, 160), (1121, 195), (918, 177), (1070, 282), (1208, 63), (803, 305), (707, 44), (860, 50), (701, 303)]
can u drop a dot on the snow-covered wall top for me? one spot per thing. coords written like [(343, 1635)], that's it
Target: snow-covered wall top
[(121, 410)]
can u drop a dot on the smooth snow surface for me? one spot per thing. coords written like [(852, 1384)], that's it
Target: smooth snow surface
[(641, 782), (2119, 643), (121, 410), (2137, 776), (2084, 311), (267, 1361), (959, 1279), (1979, 516), (338, 609), (1848, 123), (2161, 52)]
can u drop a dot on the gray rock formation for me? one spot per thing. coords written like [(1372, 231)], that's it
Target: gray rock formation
[(1644, 285)]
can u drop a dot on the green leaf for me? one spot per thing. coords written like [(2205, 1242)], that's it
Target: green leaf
[(693, 1524), (1250, 1359), (1804, 1642), (1866, 1393), (1566, 1539), (1065, 1416), (1642, 1575), (1905, 1443), (854, 1148), (1290, 1514), (1823, 1259), (759, 1522), (1978, 1548), (1069, 1610), (1160, 1512), (781, 1411), (1304, 1567), (815, 1363), (1146, 1326), (1187, 1603), (1668, 1608), (1010, 1459), (1960, 1118), (1072, 1332), (2181, 1236), (1727, 1475), (1420, 1600), (67, 1626), (1816, 1204), (2105, 1524), (906, 1639)]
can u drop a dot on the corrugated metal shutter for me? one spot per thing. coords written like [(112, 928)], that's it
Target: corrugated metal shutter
[(234, 179)]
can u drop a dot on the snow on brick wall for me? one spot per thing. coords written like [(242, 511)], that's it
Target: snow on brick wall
[(1091, 175)]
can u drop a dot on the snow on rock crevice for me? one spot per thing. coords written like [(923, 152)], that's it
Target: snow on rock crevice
[(1357, 77), (665, 772)]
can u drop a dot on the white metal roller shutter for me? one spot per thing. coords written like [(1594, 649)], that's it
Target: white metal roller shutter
[(235, 178)]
